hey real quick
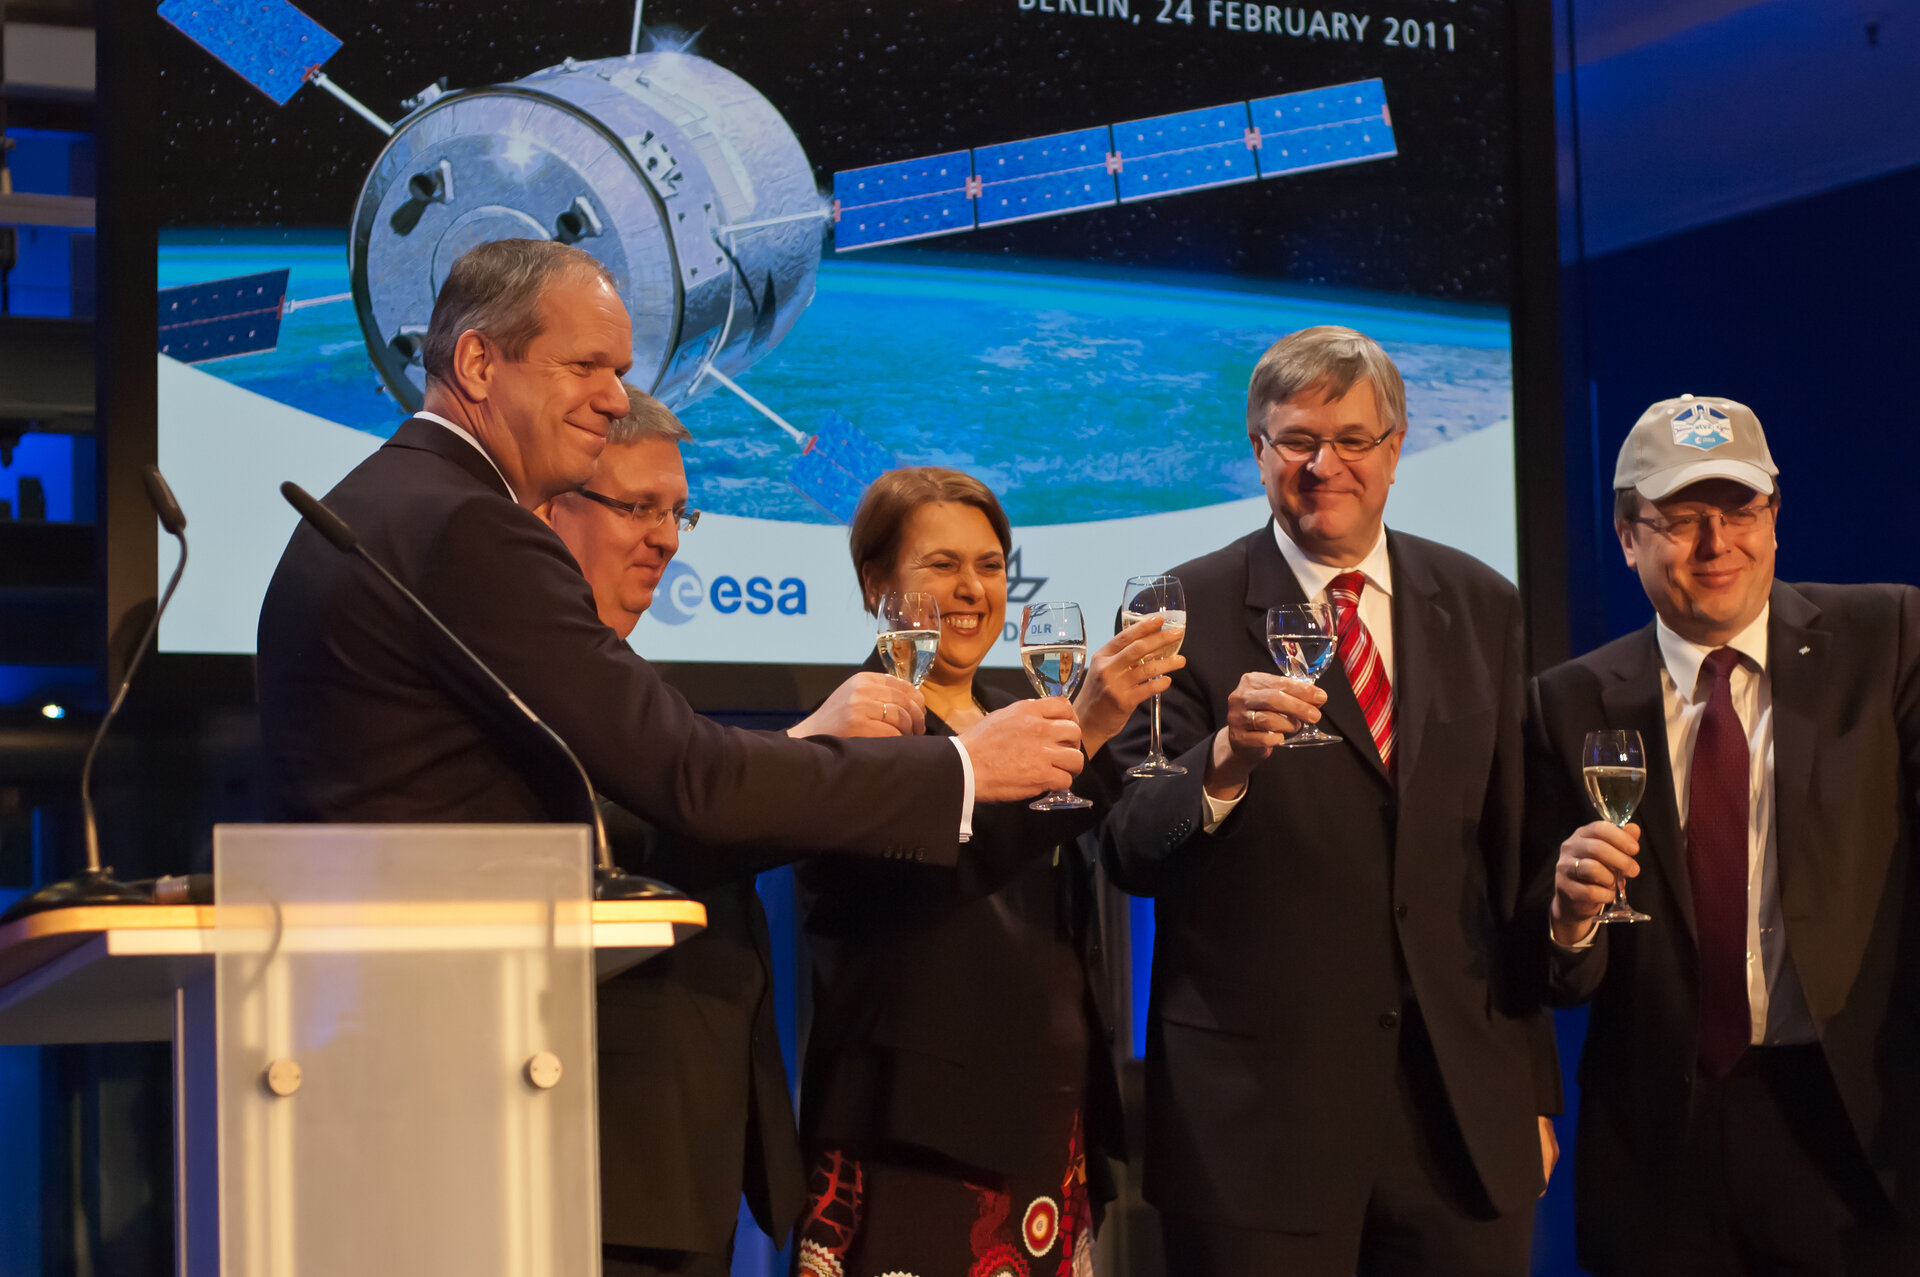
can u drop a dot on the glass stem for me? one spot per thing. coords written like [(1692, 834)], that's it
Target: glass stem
[(1154, 751)]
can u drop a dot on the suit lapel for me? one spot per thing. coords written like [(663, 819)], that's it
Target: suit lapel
[(1420, 626), (1797, 655), (430, 436), (1634, 699), (1270, 583)]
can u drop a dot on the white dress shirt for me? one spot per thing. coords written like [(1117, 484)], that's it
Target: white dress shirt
[(1376, 613), (966, 763), (1775, 1002)]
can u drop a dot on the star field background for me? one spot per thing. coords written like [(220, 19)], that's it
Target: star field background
[(868, 83)]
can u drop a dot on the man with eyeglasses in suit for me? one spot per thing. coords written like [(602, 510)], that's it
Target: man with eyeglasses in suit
[(695, 1107), (1348, 1064), (1750, 1084)]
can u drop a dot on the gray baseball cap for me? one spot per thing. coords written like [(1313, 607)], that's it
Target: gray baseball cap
[(1681, 441)]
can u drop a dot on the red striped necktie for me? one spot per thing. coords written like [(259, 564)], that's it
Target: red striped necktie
[(1365, 670)]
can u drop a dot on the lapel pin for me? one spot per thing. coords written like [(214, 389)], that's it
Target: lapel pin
[(1805, 650)]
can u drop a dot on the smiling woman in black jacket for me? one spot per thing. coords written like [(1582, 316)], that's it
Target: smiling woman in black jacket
[(958, 1093)]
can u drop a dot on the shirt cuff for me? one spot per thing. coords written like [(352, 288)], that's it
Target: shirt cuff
[(1583, 943), (966, 791), (1218, 809)]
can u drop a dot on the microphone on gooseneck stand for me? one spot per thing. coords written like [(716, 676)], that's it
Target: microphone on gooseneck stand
[(96, 885), (610, 882)]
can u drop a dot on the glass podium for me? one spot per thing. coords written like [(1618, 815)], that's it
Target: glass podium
[(403, 1052)]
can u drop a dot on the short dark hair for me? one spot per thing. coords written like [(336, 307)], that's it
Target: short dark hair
[(1626, 504), (495, 290), (647, 418), (890, 501), (1330, 359)]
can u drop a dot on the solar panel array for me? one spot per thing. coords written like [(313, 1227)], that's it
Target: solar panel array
[(837, 465), (268, 43), (1112, 164), (222, 317)]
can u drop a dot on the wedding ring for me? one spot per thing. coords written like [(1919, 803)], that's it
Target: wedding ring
[(1253, 720)]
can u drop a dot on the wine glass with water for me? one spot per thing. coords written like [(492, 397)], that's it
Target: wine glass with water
[(1053, 651), (1302, 638), (1615, 770), (909, 634), (1143, 597)]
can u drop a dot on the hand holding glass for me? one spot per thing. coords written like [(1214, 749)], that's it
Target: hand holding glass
[(1302, 638), (1053, 651), (909, 634), (1615, 770), (1143, 597)]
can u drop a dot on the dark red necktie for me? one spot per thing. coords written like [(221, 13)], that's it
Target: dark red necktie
[(1365, 670), (1717, 832)]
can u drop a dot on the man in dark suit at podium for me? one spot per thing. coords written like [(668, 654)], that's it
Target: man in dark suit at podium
[(688, 1038), (369, 715), (1347, 1060), (1750, 1086)]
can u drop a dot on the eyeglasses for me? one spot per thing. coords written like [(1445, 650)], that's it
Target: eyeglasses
[(1301, 446), (647, 516), (1686, 527)]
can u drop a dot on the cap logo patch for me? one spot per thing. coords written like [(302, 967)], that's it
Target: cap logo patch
[(1699, 426)]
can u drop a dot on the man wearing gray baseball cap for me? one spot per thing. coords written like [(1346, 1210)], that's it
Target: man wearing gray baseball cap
[(1750, 1086)]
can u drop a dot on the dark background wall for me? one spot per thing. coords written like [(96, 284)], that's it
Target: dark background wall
[(1740, 192)]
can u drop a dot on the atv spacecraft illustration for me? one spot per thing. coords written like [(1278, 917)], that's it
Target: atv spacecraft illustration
[(696, 194)]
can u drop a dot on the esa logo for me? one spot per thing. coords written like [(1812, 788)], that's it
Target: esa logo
[(681, 593)]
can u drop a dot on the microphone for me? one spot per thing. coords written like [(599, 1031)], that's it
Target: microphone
[(97, 885), (610, 882)]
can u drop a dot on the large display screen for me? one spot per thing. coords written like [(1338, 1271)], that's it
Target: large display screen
[(1041, 240)]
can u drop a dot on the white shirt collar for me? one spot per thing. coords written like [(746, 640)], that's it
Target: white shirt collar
[(466, 434), (1683, 657), (1314, 576)]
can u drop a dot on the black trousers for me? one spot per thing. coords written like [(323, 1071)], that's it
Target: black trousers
[(643, 1261), (1426, 1214), (1771, 1180)]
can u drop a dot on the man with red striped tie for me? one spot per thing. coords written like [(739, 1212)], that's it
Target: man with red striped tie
[(1347, 1059), (1750, 1084)]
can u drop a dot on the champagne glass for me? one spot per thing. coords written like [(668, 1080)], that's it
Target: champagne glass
[(1053, 651), (1615, 770), (1303, 638), (1143, 597), (909, 622)]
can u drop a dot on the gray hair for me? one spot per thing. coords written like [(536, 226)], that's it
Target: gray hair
[(1330, 359), (495, 290), (647, 418)]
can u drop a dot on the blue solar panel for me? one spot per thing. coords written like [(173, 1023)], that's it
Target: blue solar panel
[(1340, 124), (1044, 176), (838, 465), (225, 317), (269, 43), (903, 179), (1082, 148), (1185, 152), (903, 219)]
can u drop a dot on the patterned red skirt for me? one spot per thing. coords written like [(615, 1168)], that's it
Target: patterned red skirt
[(870, 1218)]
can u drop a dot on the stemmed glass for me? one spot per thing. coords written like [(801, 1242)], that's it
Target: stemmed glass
[(1053, 651), (1143, 597), (909, 623), (1303, 638), (1615, 770)]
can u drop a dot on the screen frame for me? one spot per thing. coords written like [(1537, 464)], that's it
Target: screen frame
[(128, 396)]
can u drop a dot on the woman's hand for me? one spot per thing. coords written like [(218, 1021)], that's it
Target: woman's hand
[(1134, 664)]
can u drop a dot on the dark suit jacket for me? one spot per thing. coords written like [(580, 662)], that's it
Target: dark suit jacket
[(1845, 668), (937, 992), (367, 714), (695, 1107), (1288, 943)]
